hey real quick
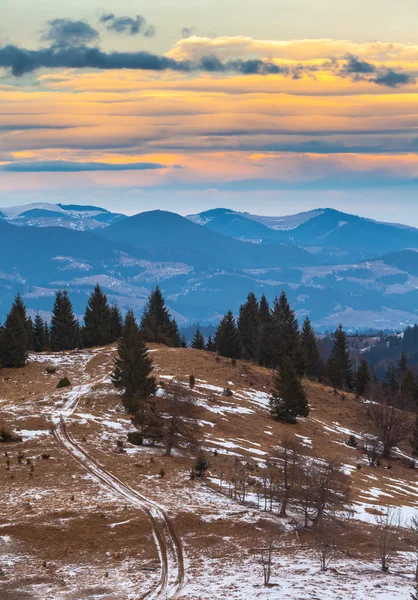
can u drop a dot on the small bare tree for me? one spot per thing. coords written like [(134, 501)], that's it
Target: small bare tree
[(392, 425), (290, 456), (179, 426), (414, 531), (320, 490), (388, 524), (372, 447)]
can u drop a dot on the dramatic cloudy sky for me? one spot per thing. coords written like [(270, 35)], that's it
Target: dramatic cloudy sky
[(273, 106)]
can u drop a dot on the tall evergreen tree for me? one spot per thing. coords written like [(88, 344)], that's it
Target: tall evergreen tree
[(14, 336), (249, 328), (227, 338), (156, 323), (40, 342), (263, 310), (116, 323), (311, 356), (133, 366), (288, 399), (65, 329), (281, 337), (339, 367), (198, 341), (175, 335), (210, 345), (29, 333), (183, 342), (391, 380), (97, 329), (362, 377), (46, 334), (414, 438)]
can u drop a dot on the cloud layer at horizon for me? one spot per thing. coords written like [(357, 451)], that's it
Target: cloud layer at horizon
[(239, 114)]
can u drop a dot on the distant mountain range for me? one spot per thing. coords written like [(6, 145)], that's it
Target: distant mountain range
[(334, 266), (71, 216), (329, 234)]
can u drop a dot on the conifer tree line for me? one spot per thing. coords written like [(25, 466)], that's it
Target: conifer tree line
[(269, 336), (102, 324)]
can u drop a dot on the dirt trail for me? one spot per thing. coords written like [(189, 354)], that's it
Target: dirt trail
[(168, 544)]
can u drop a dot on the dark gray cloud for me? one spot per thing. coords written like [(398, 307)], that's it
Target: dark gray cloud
[(128, 25), (63, 166), (187, 32), (361, 70), (355, 65), (393, 79), (66, 54), (65, 32), (21, 61)]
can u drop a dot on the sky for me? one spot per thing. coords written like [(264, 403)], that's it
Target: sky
[(271, 107)]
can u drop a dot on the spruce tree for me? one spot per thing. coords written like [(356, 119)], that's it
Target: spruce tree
[(65, 329), (97, 329), (29, 333), (198, 341), (311, 356), (210, 344), (263, 310), (249, 328), (175, 336), (227, 338), (339, 366), (14, 336), (40, 342), (46, 333), (156, 323), (391, 380), (288, 400), (414, 438), (133, 366), (281, 337), (183, 342), (362, 377), (116, 323)]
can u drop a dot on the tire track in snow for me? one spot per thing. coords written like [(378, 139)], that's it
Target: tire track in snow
[(168, 543)]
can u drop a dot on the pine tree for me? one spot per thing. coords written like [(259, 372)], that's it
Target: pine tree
[(46, 334), (281, 337), (183, 342), (14, 336), (249, 328), (312, 359), (97, 329), (198, 341), (175, 335), (227, 339), (391, 380), (362, 377), (133, 367), (210, 345), (263, 310), (116, 323), (339, 366), (65, 329), (156, 323), (402, 366), (288, 399), (40, 342), (29, 333), (414, 439)]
